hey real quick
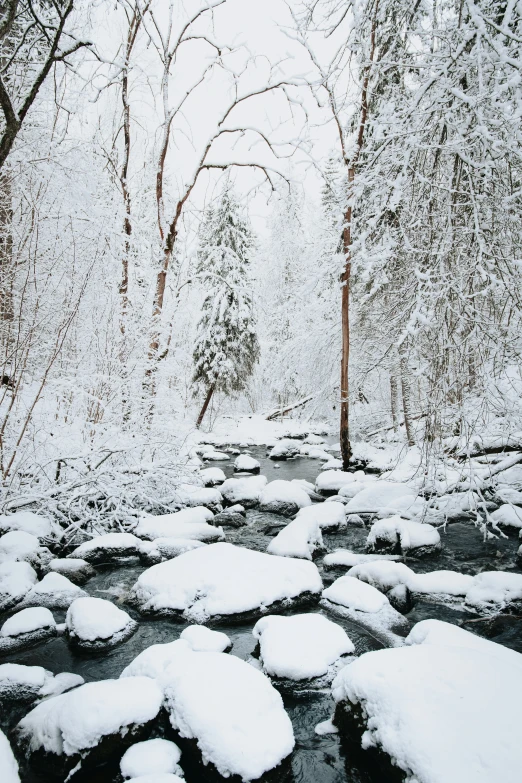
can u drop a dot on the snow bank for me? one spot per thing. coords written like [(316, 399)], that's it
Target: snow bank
[(95, 622), (247, 464), (300, 647), (202, 639), (108, 546), (153, 756), (403, 534), (442, 714), (300, 538), (54, 591), (283, 497), (8, 763), (232, 711), (191, 523), (28, 522), (494, 591), (326, 515), (508, 516), (155, 660), (16, 579), (222, 580), (344, 557)]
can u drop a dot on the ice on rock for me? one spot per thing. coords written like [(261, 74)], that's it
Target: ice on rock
[(28, 522), (54, 591), (332, 481), (107, 547), (508, 516), (443, 714), (329, 516), (190, 523), (245, 463), (344, 557), (396, 535), (75, 569), (151, 757), (283, 497), (380, 495), (161, 549), (212, 476), (25, 628), (349, 597), (68, 726), (16, 579), (222, 580), (244, 490), (301, 648), (155, 660), (202, 639), (232, 711), (300, 538), (97, 624), (494, 591), (8, 763)]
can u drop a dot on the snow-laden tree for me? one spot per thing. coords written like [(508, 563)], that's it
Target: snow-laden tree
[(226, 348)]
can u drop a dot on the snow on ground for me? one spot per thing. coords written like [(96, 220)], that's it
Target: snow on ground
[(443, 714), (16, 579), (327, 515), (508, 516), (244, 490), (77, 721), (92, 620), (212, 476), (221, 580), (191, 523), (55, 591), (107, 546), (403, 534), (8, 763), (300, 538), (494, 591), (28, 522), (344, 557), (231, 710), (300, 647), (153, 756), (285, 497), (247, 464), (153, 661), (202, 639)]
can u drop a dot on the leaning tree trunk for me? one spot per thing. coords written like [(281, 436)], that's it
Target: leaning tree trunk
[(406, 400), (205, 406)]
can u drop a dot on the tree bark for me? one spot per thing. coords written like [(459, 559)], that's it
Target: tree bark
[(205, 406), (344, 429), (394, 390), (406, 400)]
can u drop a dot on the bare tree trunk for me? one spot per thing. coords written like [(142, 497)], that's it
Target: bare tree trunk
[(344, 430), (406, 399), (205, 406), (394, 393)]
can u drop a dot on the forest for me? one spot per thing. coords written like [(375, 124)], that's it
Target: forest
[(261, 391)]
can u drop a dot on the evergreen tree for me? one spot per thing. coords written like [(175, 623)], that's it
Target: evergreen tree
[(226, 348)]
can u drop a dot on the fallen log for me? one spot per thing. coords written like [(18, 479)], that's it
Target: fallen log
[(284, 411)]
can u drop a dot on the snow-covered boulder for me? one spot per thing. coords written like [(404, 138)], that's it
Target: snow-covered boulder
[(28, 683), (301, 652), (344, 558), (157, 777), (508, 516), (245, 491), (440, 586), (314, 440), (495, 591), (352, 489), (333, 464), (17, 546), (283, 497), (86, 726), (27, 521), (8, 763), (94, 624), (161, 549), (54, 592), (403, 536), (154, 661), (215, 456), (315, 452), (385, 575), (225, 581), (234, 516), (228, 715), (75, 569), (457, 504), (212, 476), (151, 757), (202, 639), (284, 449), (16, 579), (246, 464), (437, 714), (381, 495), (193, 496), (329, 516), (508, 495), (349, 597), (300, 538), (330, 482), (190, 523), (26, 628), (107, 548)]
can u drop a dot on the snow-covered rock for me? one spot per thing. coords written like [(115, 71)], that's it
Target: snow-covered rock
[(302, 651), (222, 580), (202, 639), (352, 489), (442, 586), (27, 521), (315, 452), (300, 538), (108, 547), (366, 605), (96, 624), (77, 570), (212, 476), (314, 440), (151, 757), (215, 456), (495, 591), (507, 494), (329, 516), (508, 516), (348, 559), (331, 481), (8, 763), (153, 661), (16, 579), (54, 592), (229, 713), (245, 491), (380, 494), (284, 449), (234, 516), (17, 546), (333, 464), (161, 549), (190, 523), (457, 504), (283, 497), (89, 723), (403, 536), (440, 713), (382, 574), (28, 683), (246, 464), (193, 496), (26, 628)]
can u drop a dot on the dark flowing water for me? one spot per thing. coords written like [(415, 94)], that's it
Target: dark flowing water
[(316, 759)]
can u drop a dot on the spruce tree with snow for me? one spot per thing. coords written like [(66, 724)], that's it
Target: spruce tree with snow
[(227, 347)]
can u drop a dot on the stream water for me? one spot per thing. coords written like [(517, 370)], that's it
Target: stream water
[(316, 759)]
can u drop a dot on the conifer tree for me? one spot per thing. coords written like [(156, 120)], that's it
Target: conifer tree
[(226, 348)]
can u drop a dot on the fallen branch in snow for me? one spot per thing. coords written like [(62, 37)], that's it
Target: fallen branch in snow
[(284, 411), (401, 424)]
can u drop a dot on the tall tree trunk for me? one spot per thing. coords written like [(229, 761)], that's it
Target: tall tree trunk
[(127, 225), (394, 394), (344, 430), (205, 406), (406, 399)]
